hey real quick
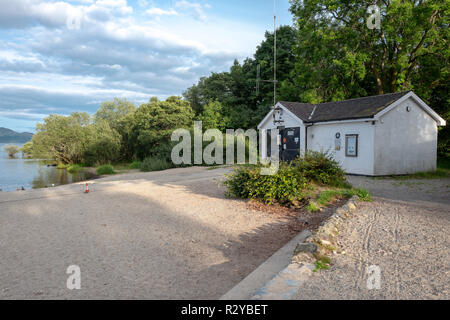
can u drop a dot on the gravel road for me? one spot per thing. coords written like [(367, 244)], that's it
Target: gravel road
[(405, 231), (158, 235)]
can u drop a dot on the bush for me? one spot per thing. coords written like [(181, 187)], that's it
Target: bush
[(321, 168), (105, 150), (105, 169), (286, 187), (74, 168), (155, 164), (135, 165)]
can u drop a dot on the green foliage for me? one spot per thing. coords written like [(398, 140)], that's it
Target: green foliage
[(135, 165), (312, 207), (106, 146), (114, 112), (293, 182), (212, 117), (105, 169), (27, 150), (11, 150), (235, 90), (153, 124), (286, 187), (62, 166), (74, 168), (323, 263), (356, 61), (321, 168), (155, 164)]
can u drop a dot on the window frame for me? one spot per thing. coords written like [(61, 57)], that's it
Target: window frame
[(356, 145)]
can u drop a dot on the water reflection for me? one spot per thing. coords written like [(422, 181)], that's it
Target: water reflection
[(29, 173)]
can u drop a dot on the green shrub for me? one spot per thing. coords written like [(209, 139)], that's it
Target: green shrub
[(285, 187), (155, 164), (62, 166), (105, 169), (74, 168), (321, 168), (105, 150), (135, 165)]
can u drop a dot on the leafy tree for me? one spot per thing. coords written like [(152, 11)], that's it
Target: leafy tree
[(63, 138), (236, 89), (338, 56), (11, 150), (68, 139), (106, 146), (118, 114), (27, 150), (153, 123), (213, 117), (114, 112)]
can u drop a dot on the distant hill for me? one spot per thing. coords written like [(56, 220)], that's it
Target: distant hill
[(8, 135)]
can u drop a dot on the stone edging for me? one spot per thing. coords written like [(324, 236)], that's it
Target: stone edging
[(320, 244), (322, 241)]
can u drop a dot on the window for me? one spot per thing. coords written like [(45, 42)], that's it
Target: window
[(351, 145)]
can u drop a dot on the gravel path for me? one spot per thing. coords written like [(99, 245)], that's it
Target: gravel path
[(405, 231), (158, 235)]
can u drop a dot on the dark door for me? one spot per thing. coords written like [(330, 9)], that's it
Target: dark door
[(290, 144)]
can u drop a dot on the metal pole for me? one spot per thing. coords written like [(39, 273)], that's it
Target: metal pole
[(275, 52)]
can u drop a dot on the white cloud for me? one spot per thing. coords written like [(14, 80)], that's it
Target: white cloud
[(161, 12), (47, 67), (193, 8)]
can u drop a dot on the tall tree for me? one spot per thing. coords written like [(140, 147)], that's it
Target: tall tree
[(339, 57)]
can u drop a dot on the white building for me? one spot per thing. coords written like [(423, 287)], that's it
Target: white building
[(379, 135)]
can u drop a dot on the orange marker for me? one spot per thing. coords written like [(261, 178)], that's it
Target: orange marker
[(87, 189)]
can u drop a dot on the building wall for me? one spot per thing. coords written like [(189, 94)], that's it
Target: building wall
[(321, 137), (405, 142), (289, 122)]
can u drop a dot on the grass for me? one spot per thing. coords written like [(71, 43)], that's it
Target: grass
[(323, 263), (327, 197), (312, 207), (62, 166), (75, 168), (135, 165), (105, 169)]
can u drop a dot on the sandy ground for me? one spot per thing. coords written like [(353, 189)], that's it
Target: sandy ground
[(405, 231), (161, 235)]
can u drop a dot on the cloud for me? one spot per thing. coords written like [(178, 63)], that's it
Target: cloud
[(193, 8), (161, 12), (48, 65)]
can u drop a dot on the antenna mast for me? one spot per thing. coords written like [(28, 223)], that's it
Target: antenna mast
[(274, 52)]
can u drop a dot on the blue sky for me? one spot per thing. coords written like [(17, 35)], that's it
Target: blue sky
[(60, 56)]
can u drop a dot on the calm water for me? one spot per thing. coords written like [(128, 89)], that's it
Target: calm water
[(31, 174)]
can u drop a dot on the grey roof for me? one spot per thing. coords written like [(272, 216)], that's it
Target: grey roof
[(358, 108)]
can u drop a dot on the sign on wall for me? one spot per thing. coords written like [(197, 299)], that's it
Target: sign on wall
[(351, 145)]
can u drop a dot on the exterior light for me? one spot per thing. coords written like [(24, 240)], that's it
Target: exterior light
[(278, 115)]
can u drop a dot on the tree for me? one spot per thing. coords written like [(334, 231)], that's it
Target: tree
[(27, 150), (153, 123), (236, 91), (339, 57), (213, 117), (118, 114), (11, 150), (114, 112)]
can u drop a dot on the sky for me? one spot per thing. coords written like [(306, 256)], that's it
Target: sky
[(61, 56)]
